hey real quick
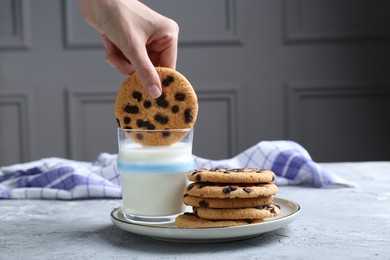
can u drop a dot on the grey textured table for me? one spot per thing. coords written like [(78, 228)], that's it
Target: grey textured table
[(346, 223)]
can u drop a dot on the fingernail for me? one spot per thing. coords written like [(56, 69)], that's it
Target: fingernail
[(111, 63), (154, 91)]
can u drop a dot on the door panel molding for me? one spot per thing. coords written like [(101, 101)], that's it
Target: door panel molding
[(332, 20), (218, 26), (349, 116), (18, 129), (18, 32), (85, 137), (225, 117)]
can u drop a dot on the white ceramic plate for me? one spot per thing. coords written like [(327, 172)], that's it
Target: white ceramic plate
[(169, 232)]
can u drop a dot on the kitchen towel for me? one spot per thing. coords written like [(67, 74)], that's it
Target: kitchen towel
[(57, 178)]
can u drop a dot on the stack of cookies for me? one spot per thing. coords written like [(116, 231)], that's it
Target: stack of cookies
[(228, 197)]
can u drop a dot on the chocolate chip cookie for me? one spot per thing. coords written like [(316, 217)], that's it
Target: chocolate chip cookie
[(213, 190), (226, 203), (176, 108), (224, 175), (260, 212), (191, 220)]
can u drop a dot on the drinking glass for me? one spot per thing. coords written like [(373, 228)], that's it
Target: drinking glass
[(154, 177)]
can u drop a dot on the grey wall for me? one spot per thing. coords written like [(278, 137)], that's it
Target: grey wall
[(316, 72)]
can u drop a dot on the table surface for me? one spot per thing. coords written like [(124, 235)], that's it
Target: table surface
[(341, 223)]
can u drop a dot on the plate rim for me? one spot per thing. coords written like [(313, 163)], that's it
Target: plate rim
[(182, 234)]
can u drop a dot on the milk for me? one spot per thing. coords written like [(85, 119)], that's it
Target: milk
[(154, 178)]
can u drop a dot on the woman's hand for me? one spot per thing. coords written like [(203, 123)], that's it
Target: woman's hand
[(135, 38)]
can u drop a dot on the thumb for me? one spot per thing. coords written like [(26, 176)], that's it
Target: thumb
[(146, 73)]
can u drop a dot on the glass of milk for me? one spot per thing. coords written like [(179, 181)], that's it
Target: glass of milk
[(154, 177)]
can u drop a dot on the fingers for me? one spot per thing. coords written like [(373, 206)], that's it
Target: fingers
[(141, 64), (115, 57), (168, 54), (146, 72), (136, 38), (168, 58)]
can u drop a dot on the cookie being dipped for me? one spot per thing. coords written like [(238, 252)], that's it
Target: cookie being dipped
[(176, 108)]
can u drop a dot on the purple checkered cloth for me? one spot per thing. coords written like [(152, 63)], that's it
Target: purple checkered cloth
[(56, 178)]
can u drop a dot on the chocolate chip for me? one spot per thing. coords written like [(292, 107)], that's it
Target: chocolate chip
[(194, 172), (278, 206), (266, 207), (140, 136), (260, 171), (203, 185), (128, 127), (204, 203), (118, 122), (165, 133), (185, 195), (147, 124), (167, 81), (198, 178), (131, 109), (162, 103), (189, 214), (127, 120), (147, 104), (137, 95), (140, 123), (273, 178), (187, 116), (161, 119), (175, 109), (249, 221), (229, 189), (180, 96), (247, 190), (190, 186)]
